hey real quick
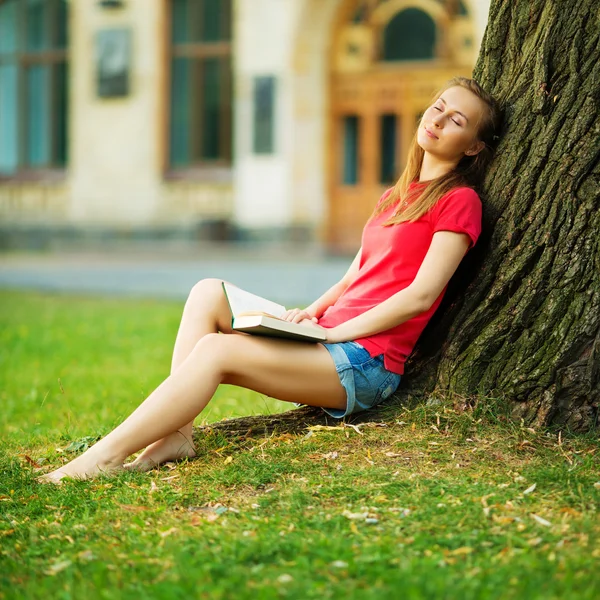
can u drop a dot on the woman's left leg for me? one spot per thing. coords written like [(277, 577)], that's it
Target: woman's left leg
[(289, 371)]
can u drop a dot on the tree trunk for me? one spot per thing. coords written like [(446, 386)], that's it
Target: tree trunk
[(527, 328)]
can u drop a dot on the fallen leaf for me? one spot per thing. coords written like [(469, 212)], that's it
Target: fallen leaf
[(355, 427), (228, 460), (153, 487), (339, 564), (30, 460), (132, 508), (530, 489), (463, 550), (86, 555), (325, 428), (164, 534), (58, 567), (541, 520), (351, 515)]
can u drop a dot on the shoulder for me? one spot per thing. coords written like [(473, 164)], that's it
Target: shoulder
[(459, 200), (461, 195), (458, 210)]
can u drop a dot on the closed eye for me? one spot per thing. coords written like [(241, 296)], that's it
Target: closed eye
[(454, 120)]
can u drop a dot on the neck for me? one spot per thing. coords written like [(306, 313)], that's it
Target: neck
[(433, 167)]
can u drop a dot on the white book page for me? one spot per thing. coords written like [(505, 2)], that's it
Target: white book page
[(242, 301)]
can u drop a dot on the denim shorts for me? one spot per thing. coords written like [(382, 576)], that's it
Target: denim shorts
[(366, 381)]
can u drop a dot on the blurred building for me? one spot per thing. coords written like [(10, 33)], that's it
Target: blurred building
[(252, 119)]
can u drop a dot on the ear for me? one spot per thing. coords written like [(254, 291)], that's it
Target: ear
[(476, 148)]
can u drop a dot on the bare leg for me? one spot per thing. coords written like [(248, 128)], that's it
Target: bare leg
[(206, 311), (290, 371)]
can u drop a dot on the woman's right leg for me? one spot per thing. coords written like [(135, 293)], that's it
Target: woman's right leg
[(206, 311)]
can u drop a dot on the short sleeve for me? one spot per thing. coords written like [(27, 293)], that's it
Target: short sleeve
[(459, 211)]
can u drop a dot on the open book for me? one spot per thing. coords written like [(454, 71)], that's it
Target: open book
[(258, 316)]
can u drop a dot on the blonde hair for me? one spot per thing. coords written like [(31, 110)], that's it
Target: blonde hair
[(467, 173)]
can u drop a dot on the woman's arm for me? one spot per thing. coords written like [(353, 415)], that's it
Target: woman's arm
[(441, 261), (319, 306)]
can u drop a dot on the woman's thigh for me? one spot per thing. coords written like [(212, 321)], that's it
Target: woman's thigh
[(289, 371)]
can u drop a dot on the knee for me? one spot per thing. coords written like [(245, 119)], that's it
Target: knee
[(213, 348), (205, 290)]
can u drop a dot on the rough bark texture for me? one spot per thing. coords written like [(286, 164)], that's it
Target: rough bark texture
[(528, 326)]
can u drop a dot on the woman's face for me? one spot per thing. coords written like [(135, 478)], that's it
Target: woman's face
[(449, 127)]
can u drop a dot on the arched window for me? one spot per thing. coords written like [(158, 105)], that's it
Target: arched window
[(410, 35)]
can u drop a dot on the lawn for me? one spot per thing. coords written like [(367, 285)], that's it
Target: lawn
[(441, 501)]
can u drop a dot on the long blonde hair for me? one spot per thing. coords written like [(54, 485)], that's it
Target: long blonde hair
[(467, 173)]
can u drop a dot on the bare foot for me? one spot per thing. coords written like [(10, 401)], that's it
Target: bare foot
[(175, 446), (86, 466)]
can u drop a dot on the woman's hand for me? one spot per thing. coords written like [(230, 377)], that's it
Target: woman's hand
[(297, 315)]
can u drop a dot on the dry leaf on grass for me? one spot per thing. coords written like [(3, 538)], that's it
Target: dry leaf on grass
[(57, 567), (133, 508), (168, 532), (325, 428), (30, 460), (530, 489), (462, 551), (541, 520)]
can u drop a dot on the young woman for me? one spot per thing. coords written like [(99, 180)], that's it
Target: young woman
[(413, 243)]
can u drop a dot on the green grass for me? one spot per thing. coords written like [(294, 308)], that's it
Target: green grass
[(435, 504)]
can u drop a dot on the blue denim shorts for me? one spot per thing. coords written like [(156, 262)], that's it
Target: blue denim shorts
[(366, 381)]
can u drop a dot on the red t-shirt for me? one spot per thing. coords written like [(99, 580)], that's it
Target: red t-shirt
[(391, 257)]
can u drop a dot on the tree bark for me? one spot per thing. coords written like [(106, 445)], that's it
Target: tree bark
[(527, 328)]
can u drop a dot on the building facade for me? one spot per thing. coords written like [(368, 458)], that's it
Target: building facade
[(271, 118)]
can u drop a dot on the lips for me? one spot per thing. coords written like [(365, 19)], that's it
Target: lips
[(430, 134)]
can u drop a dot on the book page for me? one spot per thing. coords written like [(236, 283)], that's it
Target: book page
[(241, 301)]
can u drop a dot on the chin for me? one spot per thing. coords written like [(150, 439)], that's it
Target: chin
[(423, 139)]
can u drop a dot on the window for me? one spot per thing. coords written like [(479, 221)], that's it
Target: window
[(33, 85), (350, 146), (410, 35), (264, 106), (388, 132), (200, 119)]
